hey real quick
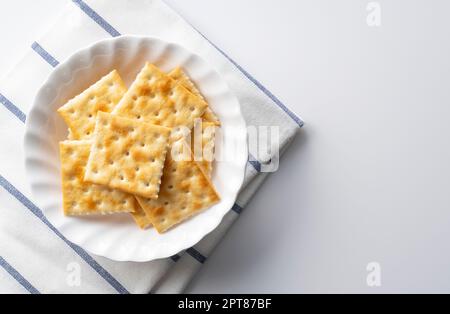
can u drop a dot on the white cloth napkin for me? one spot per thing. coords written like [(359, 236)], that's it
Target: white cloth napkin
[(34, 256)]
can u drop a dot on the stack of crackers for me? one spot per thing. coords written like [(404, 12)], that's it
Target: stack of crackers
[(124, 146)]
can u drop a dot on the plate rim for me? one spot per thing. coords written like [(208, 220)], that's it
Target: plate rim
[(32, 121)]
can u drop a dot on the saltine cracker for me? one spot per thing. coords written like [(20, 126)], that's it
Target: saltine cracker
[(128, 155), (185, 191), (79, 113), (156, 98), (182, 78), (83, 198)]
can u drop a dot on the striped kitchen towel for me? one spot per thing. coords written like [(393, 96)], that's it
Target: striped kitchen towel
[(34, 256)]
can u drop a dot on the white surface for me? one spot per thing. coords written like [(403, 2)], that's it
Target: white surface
[(119, 238), (367, 179)]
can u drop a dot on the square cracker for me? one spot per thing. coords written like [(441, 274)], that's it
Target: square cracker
[(182, 78), (156, 98), (127, 155), (185, 191), (79, 113), (83, 198)]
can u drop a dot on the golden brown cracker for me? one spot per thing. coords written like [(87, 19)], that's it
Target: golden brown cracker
[(79, 113), (83, 198), (156, 98), (185, 191), (182, 78), (127, 155)]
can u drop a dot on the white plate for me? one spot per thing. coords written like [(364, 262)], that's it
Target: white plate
[(116, 236)]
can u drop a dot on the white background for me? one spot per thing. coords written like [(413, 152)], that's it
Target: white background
[(367, 179)]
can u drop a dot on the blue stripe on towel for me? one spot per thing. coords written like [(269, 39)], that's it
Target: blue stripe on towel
[(254, 162), (237, 208), (13, 108), (196, 255), (44, 54), (255, 165), (18, 277), (96, 17), (83, 254)]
